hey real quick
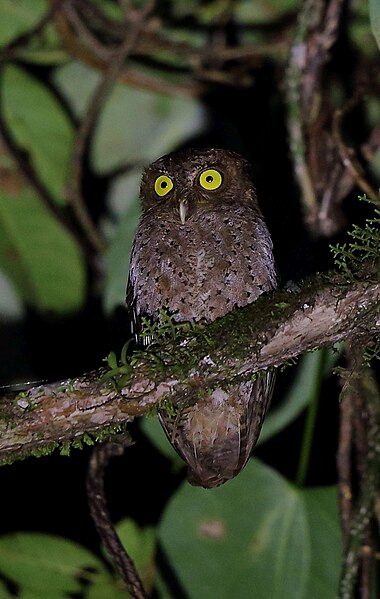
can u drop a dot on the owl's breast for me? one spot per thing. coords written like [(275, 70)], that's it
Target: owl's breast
[(204, 268)]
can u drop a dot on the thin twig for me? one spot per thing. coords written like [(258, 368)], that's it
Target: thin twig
[(316, 32), (74, 194), (297, 66), (100, 50), (130, 76), (347, 154), (100, 458)]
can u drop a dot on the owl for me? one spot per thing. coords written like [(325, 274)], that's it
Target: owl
[(201, 249)]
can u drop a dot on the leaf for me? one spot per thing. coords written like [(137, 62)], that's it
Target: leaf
[(44, 49), (257, 536), (39, 125), (123, 200), (140, 544), (325, 537), (18, 17), (153, 430), (374, 15), (4, 593), (11, 307), (107, 589), (299, 394), (38, 255), (140, 126), (262, 11), (46, 564), (135, 125)]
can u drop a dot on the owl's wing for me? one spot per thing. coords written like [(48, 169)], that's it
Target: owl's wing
[(133, 314), (216, 442)]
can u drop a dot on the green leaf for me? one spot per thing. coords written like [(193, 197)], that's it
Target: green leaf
[(39, 125), (256, 536), (44, 49), (262, 11), (19, 16), (138, 125), (11, 308), (325, 538), (4, 593), (46, 564), (123, 200), (38, 255), (140, 544), (153, 430), (135, 125), (374, 14), (107, 589), (299, 394)]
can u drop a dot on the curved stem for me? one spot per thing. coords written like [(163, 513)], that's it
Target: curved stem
[(312, 411), (101, 516)]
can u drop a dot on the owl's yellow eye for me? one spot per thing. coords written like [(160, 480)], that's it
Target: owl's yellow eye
[(210, 179), (163, 185)]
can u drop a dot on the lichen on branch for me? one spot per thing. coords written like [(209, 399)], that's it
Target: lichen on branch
[(276, 328)]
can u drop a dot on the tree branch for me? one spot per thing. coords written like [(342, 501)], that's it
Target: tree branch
[(274, 329)]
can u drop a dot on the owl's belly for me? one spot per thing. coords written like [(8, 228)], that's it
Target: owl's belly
[(203, 269)]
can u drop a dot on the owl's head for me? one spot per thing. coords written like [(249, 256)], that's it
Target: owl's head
[(183, 182)]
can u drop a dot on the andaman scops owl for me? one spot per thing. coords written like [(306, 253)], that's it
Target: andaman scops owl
[(201, 249)]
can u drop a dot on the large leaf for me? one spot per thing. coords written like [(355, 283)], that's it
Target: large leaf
[(18, 16), (39, 125), (46, 564), (135, 125), (38, 255), (325, 538), (256, 536)]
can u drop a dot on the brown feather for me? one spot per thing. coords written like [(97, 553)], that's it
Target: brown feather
[(218, 259)]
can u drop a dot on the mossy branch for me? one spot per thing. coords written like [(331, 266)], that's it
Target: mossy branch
[(273, 330)]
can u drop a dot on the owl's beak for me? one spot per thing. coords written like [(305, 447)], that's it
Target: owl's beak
[(183, 210)]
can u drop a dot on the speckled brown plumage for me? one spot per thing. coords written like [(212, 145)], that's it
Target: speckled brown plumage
[(199, 253)]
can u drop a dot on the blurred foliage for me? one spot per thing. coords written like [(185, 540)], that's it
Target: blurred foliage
[(47, 566), (259, 535)]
